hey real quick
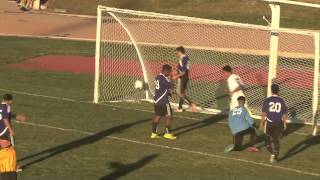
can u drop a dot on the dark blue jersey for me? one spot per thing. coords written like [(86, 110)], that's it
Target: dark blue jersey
[(183, 65), (274, 107), (162, 90), (3, 115)]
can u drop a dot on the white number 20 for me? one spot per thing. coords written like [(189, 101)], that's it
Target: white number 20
[(157, 83), (275, 107)]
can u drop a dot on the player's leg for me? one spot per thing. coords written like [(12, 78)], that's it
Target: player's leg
[(268, 141), (276, 136), (238, 138), (155, 121), (253, 138), (168, 134), (182, 93)]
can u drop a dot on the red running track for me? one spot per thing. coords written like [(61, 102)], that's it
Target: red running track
[(199, 72)]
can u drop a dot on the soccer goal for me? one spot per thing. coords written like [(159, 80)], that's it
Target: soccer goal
[(133, 45)]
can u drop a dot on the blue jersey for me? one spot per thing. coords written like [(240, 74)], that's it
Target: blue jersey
[(3, 115), (239, 120), (162, 90), (183, 65), (274, 107)]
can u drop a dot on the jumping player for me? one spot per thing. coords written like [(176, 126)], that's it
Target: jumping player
[(162, 106), (8, 159), (183, 78), (241, 123), (274, 121), (235, 85)]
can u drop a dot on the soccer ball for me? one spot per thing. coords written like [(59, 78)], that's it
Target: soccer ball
[(138, 84)]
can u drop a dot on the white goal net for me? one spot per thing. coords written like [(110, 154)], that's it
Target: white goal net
[(133, 45)]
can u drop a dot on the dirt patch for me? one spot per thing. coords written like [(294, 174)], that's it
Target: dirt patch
[(72, 64)]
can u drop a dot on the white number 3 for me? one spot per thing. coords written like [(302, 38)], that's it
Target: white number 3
[(157, 84), (275, 107)]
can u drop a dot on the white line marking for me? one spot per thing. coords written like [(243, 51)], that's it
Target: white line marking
[(114, 106), (47, 37), (176, 149)]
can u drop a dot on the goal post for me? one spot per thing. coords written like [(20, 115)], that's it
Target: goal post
[(133, 45)]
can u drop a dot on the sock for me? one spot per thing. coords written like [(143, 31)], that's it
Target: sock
[(188, 100), (154, 127), (168, 130), (181, 100)]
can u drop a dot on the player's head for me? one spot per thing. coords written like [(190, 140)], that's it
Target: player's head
[(166, 70), (8, 98), (180, 51), (275, 89), (241, 100), (227, 71)]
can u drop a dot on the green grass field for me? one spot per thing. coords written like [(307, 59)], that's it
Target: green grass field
[(68, 137), (230, 10)]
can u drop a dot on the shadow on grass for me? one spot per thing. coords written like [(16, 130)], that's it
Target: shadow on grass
[(48, 153), (121, 170), (200, 124), (301, 146)]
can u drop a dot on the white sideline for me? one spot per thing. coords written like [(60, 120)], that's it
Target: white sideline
[(119, 107), (177, 149)]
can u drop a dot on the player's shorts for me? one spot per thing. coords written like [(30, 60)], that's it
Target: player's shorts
[(164, 110), (182, 84), (8, 160), (274, 130)]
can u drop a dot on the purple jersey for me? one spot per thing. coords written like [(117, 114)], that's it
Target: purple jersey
[(183, 65), (162, 85), (3, 115), (274, 107)]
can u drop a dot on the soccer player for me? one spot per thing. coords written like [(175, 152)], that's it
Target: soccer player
[(274, 121), (162, 106), (8, 159), (241, 123), (183, 78), (235, 85)]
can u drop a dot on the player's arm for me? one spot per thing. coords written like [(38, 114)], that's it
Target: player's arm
[(285, 116), (262, 121), (7, 124), (249, 118), (183, 69), (263, 116)]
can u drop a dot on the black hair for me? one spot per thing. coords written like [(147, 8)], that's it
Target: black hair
[(227, 68), (275, 89), (181, 49), (7, 97), (241, 98), (166, 68)]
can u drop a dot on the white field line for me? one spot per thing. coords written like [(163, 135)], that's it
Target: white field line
[(47, 37), (177, 149), (114, 106)]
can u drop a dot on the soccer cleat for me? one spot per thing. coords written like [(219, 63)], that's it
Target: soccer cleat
[(154, 136), (178, 110), (273, 158), (253, 149), (169, 136), (19, 169)]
